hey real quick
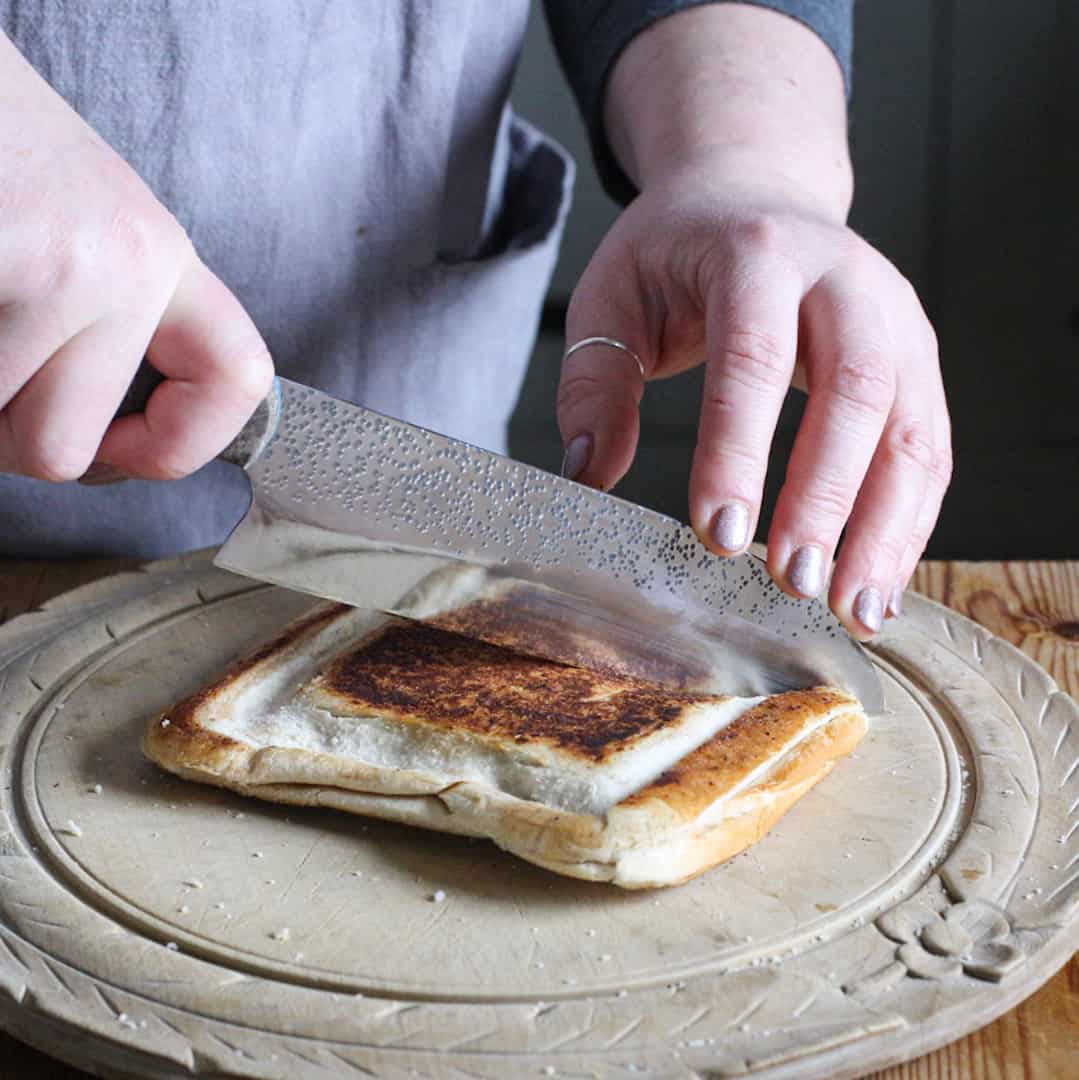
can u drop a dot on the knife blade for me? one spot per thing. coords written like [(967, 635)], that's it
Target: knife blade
[(358, 507)]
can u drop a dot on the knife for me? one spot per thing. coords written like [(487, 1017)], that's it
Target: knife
[(358, 507)]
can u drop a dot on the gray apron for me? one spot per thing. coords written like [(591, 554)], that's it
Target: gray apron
[(352, 171)]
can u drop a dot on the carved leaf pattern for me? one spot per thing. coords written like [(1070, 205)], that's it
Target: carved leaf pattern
[(1050, 720), (970, 937), (945, 938)]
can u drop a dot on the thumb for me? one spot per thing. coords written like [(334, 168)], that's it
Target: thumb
[(217, 369), (602, 381)]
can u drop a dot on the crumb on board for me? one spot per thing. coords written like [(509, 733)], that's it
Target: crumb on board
[(172, 946), (194, 883), (438, 896), (70, 828), (97, 789), (283, 934)]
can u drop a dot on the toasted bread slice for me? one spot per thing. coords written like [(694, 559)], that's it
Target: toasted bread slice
[(597, 776)]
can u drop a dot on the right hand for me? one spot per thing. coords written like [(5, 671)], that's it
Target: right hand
[(94, 274)]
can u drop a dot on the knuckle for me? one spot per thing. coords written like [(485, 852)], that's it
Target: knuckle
[(823, 499), (889, 544), (133, 241), (169, 457), (729, 457), (754, 355), (932, 341), (142, 236), (941, 466), (252, 374), (764, 233), (55, 459), (919, 538), (864, 261), (906, 440), (865, 380), (130, 235), (168, 467), (578, 388), (64, 256)]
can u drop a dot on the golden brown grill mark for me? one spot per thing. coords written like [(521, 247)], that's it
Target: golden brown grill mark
[(754, 738), (432, 676)]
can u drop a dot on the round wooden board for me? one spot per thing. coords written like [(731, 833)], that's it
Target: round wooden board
[(151, 927)]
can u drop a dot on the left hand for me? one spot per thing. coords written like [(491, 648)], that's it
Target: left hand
[(747, 276)]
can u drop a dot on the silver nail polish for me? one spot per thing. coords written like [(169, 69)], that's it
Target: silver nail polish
[(895, 603), (805, 571), (730, 530), (578, 453), (868, 608)]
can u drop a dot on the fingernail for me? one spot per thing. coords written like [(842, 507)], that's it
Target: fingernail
[(868, 608), (895, 601), (805, 571), (99, 473), (577, 455), (730, 530)]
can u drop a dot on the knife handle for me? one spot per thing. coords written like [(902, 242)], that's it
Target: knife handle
[(248, 443)]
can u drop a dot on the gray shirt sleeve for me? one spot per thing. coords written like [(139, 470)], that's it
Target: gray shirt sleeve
[(589, 35)]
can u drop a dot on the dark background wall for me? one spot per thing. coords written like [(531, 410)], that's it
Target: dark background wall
[(965, 137)]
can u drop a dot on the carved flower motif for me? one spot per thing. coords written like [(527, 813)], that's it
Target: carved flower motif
[(971, 937)]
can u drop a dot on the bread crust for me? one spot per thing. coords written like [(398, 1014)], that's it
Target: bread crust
[(718, 800)]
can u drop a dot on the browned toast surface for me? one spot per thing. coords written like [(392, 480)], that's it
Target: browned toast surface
[(420, 674)]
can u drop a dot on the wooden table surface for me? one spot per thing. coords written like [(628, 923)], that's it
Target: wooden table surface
[(1034, 605)]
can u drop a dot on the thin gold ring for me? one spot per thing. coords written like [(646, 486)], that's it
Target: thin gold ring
[(610, 342)]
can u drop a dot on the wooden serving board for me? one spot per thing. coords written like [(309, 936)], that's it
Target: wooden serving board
[(151, 927)]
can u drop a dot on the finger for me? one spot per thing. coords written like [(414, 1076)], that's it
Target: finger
[(850, 358), (217, 370), (30, 335), (752, 336), (940, 473), (54, 424), (600, 387), (884, 515)]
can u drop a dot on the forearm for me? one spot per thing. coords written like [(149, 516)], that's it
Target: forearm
[(738, 90)]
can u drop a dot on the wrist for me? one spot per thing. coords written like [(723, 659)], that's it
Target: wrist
[(755, 174), (744, 91)]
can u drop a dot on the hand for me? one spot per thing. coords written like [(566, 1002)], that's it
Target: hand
[(753, 280), (731, 120), (95, 274)]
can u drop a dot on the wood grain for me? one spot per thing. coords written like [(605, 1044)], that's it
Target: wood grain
[(1033, 605)]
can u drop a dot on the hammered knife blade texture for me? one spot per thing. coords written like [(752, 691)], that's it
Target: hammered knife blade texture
[(359, 507)]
